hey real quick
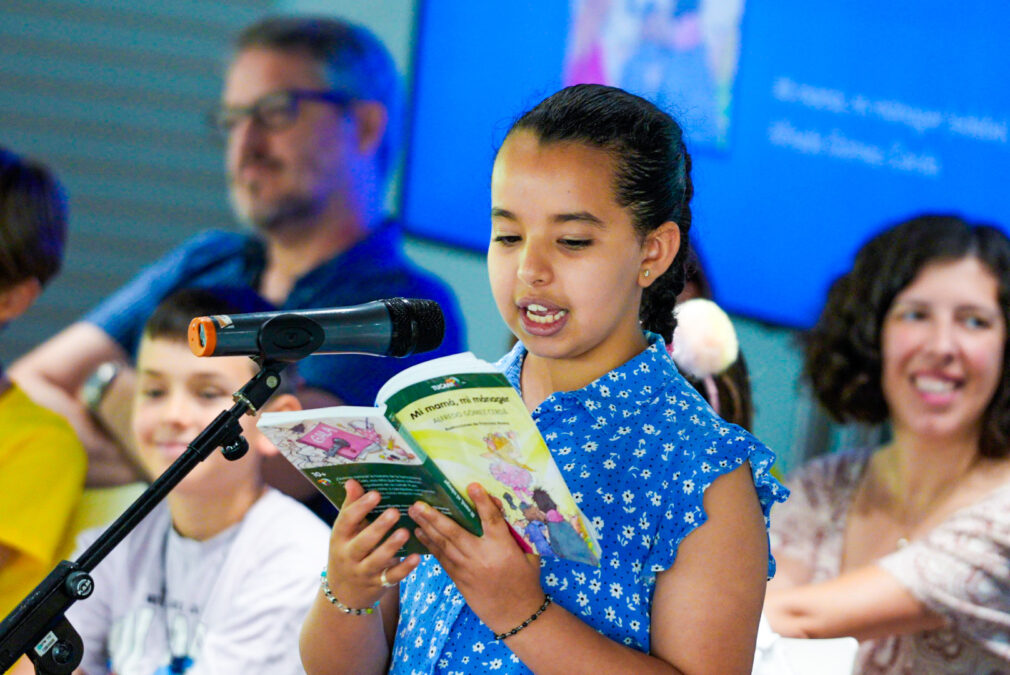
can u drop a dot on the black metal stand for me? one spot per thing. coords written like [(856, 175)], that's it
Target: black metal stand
[(37, 626)]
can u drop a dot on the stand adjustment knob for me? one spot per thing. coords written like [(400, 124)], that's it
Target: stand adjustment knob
[(79, 584)]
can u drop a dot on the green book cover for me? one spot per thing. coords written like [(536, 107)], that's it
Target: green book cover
[(440, 426)]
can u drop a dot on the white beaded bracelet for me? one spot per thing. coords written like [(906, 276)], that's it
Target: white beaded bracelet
[(357, 611)]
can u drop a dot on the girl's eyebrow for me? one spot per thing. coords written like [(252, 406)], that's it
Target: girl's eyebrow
[(577, 216)]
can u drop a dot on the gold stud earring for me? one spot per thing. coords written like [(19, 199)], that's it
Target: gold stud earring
[(646, 273)]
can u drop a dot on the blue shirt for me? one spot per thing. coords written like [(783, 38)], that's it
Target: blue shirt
[(373, 269), (638, 448)]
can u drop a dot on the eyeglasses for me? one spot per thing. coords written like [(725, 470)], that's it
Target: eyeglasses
[(273, 111)]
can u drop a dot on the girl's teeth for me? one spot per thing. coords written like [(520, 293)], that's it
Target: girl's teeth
[(933, 385), (543, 318)]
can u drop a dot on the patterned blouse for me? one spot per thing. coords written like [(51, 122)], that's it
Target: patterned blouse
[(638, 448), (960, 570)]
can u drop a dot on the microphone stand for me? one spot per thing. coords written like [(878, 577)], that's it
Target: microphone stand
[(37, 626)]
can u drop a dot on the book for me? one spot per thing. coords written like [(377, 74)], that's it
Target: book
[(437, 427)]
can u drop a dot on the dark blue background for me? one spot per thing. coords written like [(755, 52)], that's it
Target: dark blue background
[(774, 225)]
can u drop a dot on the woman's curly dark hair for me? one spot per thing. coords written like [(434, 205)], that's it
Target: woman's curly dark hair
[(652, 175), (843, 359)]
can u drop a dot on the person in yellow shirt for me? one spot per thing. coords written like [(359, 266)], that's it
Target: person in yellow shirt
[(42, 463)]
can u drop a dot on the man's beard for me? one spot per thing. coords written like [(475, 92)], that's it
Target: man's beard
[(288, 212)]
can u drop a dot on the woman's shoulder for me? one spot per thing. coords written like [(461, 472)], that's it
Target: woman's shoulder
[(843, 468)]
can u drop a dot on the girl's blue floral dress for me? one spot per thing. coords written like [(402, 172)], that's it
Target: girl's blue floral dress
[(637, 447)]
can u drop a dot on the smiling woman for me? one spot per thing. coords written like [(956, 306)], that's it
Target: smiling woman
[(904, 546)]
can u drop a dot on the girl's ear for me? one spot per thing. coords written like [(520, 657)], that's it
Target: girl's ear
[(372, 119), (282, 403), (16, 300), (658, 251)]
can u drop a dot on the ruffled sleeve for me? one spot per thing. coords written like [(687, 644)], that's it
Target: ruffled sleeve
[(960, 570), (723, 452)]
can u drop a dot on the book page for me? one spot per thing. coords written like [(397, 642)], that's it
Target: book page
[(477, 429), (330, 445), (464, 362)]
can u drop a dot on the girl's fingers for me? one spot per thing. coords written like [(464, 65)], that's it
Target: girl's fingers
[(439, 530), (353, 491), (490, 512), (367, 541), (401, 569)]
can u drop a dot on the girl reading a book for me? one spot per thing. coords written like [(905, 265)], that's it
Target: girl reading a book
[(590, 216)]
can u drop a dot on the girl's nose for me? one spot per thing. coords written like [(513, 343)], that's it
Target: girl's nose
[(534, 269)]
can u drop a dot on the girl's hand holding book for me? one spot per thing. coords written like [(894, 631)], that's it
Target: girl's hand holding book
[(362, 557), (500, 582)]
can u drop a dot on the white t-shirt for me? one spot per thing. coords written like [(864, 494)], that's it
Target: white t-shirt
[(232, 604)]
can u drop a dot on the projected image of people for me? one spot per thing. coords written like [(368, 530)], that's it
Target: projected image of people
[(682, 55)]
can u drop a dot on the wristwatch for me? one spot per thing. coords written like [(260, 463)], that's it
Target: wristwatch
[(94, 388)]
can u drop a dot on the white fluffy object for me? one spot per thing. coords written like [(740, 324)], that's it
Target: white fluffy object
[(704, 342)]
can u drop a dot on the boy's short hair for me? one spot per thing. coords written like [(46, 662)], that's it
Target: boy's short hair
[(33, 221), (170, 320)]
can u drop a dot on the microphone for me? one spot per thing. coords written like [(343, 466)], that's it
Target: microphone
[(393, 327)]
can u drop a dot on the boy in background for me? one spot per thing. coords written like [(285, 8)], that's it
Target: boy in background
[(219, 577), (42, 463)]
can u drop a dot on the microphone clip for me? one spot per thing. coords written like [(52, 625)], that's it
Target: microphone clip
[(290, 337)]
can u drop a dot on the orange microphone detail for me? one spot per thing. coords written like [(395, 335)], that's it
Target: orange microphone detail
[(202, 336)]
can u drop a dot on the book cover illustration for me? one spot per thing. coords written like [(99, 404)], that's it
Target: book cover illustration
[(440, 426), (356, 442)]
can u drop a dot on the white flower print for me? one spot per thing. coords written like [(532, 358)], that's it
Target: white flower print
[(637, 506)]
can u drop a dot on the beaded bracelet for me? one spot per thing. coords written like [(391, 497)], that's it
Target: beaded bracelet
[(339, 605), (536, 615)]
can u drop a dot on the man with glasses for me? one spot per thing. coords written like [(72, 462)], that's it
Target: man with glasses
[(310, 119)]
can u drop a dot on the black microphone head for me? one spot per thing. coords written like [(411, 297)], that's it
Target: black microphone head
[(418, 325)]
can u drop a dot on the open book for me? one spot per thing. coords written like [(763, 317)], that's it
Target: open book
[(439, 426)]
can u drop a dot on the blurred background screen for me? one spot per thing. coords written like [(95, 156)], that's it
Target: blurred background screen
[(811, 126)]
